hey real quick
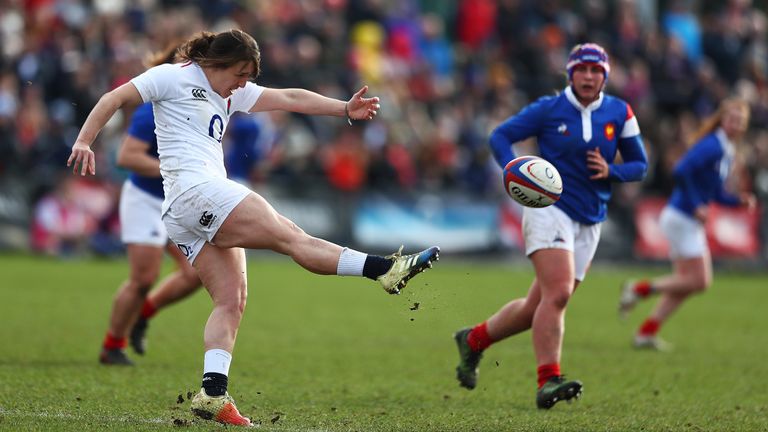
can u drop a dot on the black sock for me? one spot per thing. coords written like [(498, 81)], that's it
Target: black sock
[(376, 266), (215, 384)]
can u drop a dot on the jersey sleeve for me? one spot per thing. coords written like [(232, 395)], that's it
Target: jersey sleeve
[(143, 124), (243, 99), (634, 159), (727, 199), (156, 83), (700, 155), (515, 129)]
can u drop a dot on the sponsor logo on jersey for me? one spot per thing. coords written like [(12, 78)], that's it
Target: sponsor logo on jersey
[(563, 129), (199, 94), (207, 219), (610, 131)]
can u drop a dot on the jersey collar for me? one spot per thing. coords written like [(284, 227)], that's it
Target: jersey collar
[(726, 143), (575, 102)]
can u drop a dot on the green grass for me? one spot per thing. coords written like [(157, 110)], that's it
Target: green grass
[(322, 353)]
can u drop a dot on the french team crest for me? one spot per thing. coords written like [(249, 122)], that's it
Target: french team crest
[(610, 131)]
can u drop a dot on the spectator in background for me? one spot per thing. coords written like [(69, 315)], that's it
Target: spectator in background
[(60, 226), (346, 162), (9, 104), (581, 132), (701, 176), (681, 23)]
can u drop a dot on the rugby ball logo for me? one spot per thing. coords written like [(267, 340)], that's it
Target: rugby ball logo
[(532, 181)]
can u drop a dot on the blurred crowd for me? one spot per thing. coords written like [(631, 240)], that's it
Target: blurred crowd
[(447, 72)]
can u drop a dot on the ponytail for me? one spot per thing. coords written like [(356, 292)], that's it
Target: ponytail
[(196, 48)]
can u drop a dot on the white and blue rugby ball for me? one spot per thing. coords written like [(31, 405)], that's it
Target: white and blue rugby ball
[(532, 181)]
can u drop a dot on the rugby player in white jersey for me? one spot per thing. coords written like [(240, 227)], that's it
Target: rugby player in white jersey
[(211, 218)]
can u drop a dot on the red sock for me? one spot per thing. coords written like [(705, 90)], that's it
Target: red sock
[(643, 288), (547, 371), (478, 338), (148, 310), (649, 327), (111, 342)]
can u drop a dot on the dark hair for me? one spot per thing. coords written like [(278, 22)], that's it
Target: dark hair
[(222, 50), (167, 55)]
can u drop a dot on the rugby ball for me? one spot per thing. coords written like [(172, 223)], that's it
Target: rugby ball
[(532, 181)]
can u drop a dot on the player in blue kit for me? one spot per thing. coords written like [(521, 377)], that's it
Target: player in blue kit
[(580, 131), (145, 238), (700, 178)]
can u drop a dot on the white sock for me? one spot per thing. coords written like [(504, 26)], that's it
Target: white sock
[(217, 360), (351, 263)]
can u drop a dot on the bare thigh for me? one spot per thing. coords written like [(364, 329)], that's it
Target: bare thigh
[(181, 261), (255, 224), (145, 262), (690, 274), (555, 274)]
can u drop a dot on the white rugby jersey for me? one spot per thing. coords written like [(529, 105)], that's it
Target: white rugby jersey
[(190, 120)]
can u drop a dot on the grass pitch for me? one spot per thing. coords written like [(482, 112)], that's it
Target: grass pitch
[(322, 353)]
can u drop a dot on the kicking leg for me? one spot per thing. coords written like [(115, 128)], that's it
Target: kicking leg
[(254, 224)]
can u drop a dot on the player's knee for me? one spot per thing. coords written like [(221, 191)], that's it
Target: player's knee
[(239, 300), (291, 239), (190, 277), (558, 298), (698, 283), (703, 283), (242, 299), (233, 308), (142, 283)]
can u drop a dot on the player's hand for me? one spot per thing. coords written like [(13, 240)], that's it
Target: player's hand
[(701, 213), (598, 164), (360, 108), (748, 200), (82, 156)]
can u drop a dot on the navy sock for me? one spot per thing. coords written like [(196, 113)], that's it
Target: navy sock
[(376, 266), (215, 384)]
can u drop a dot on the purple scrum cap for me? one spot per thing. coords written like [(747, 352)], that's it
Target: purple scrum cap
[(588, 53)]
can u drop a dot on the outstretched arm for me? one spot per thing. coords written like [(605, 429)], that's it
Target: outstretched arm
[(82, 155), (308, 102)]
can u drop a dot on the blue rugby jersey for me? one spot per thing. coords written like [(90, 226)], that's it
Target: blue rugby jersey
[(565, 130), (701, 173), (143, 127)]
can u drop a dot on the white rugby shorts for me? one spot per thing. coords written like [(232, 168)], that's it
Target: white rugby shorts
[(551, 228), (140, 221), (196, 215), (686, 235)]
